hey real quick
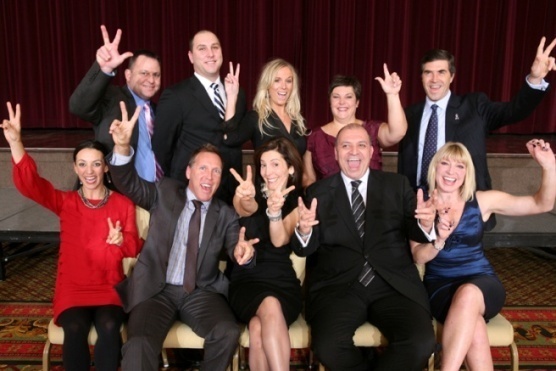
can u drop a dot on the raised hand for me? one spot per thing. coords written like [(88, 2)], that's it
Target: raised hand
[(115, 235), (445, 218), (391, 83), (121, 130), (425, 211), (543, 62), (231, 81), (12, 126), (244, 250), (276, 197), (108, 56), (246, 189), (541, 152), (307, 216)]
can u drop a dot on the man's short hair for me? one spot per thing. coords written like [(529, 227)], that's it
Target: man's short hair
[(439, 55), (140, 52), (205, 148)]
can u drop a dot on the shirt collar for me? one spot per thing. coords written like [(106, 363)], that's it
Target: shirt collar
[(206, 82), (191, 196), (442, 103)]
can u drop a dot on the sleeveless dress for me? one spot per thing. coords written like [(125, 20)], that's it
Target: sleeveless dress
[(273, 274), (463, 261), (321, 146)]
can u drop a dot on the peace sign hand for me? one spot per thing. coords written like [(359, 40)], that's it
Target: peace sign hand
[(246, 189), (12, 126), (115, 235), (543, 62), (276, 198), (108, 56), (307, 217), (244, 250), (121, 130), (425, 211), (231, 81)]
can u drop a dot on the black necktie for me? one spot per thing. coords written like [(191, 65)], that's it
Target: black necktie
[(358, 207), (429, 149), (192, 249), (218, 102)]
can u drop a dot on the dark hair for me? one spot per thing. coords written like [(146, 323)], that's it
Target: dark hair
[(197, 33), (289, 152), (439, 55), (142, 52), (96, 145), (205, 148), (341, 80)]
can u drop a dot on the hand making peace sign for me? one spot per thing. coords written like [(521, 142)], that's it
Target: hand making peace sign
[(108, 56)]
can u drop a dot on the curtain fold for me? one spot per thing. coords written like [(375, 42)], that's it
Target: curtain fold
[(49, 45)]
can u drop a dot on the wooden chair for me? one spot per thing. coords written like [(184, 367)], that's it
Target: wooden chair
[(299, 331)]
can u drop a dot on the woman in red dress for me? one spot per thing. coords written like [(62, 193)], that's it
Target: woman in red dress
[(97, 230)]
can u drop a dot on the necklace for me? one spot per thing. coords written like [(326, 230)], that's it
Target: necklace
[(88, 203)]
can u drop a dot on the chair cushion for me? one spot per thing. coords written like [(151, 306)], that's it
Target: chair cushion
[(182, 336), (368, 335)]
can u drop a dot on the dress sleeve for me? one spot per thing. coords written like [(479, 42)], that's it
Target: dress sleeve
[(30, 184)]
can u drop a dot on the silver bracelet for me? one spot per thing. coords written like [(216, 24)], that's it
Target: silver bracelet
[(301, 234), (438, 247), (274, 218)]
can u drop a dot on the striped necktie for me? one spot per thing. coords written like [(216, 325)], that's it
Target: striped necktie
[(218, 102), (358, 207)]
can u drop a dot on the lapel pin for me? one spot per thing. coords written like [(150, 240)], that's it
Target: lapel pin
[(457, 117)]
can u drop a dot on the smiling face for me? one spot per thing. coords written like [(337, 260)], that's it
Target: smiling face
[(343, 103), (281, 87), (436, 79), (90, 167), (204, 175), (144, 77), (206, 55), (353, 151), (450, 175), (275, 170)]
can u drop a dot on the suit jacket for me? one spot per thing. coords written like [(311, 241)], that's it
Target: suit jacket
[(187, 119), (165, 201), (469, 119), (97, 101), (389, 222)]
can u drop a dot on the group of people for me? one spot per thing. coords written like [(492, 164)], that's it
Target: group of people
[(312, 192)]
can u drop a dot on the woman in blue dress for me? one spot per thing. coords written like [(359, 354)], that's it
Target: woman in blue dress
[(463, 288)]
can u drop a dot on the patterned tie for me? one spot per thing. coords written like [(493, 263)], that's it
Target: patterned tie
[(431, 140), (358, 207), (218, 102), (150, 128), (192, 249)]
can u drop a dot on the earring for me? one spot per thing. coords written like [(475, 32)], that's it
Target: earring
[(108, 178)]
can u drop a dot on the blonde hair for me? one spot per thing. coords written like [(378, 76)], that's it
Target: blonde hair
[(456, 152), (261, 103)]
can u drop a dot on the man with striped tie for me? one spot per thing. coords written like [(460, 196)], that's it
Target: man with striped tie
[(199, 110)]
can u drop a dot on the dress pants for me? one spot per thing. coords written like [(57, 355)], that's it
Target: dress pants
[(406, 325), (206, 312)]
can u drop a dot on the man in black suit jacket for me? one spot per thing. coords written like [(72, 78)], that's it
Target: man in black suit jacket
[(466, 118), (343, 293), (97, 101), (155, 293), (187, 116)]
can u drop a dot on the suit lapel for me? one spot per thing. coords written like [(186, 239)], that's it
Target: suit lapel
[(373, 206), (452, 117), (343, 205), (201, 94), (210, 225)]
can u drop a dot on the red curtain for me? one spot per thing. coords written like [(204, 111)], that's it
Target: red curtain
[(49, 45)]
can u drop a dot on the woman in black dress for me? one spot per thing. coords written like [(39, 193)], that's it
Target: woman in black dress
[(268, 296)]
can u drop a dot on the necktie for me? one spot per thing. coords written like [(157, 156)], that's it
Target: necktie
[(150, 128), (358, 207), (431, 139), (192, 249), (218, 102)]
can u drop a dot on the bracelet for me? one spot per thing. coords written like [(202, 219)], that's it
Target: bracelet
[(438, 247), (274, 218), (301, 234)]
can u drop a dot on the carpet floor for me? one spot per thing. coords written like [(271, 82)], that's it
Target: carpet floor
[(25, 310)]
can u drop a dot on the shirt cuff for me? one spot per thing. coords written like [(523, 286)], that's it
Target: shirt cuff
[(303, 242), (118, 159), (542, 86), (430, 236)]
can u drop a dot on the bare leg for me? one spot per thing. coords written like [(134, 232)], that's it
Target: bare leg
[(257, 357), (460, 328), (274, 334), (479, 356)]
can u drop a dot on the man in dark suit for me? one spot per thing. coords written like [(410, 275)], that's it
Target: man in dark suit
[(188, 116), (97, 101), (365, 271), (465, 118), (159, 290)]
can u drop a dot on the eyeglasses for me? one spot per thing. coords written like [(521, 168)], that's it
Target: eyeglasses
[(147, 74)]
